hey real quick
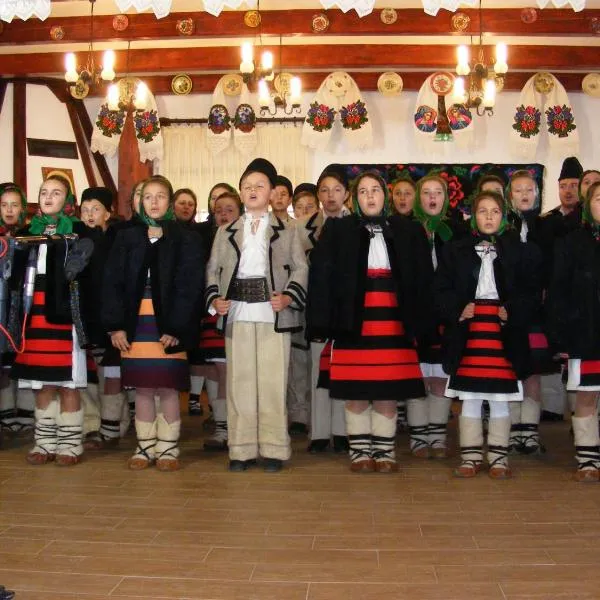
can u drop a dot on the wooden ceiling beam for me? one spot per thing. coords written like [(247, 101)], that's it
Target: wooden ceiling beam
[(298, 22), (326, 57), (205, 84)]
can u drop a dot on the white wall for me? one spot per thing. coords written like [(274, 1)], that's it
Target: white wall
[(6, 135), (391, 119)]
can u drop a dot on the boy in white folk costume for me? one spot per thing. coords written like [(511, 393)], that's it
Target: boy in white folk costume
[(256, 281)]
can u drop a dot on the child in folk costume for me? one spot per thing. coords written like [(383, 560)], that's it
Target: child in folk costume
[(227, 209), (207, 231), (52, 363), (428, 417), (326, 418), (16, 410), (304, 201), (487, 289), (185, 204), (524, 201), (151, 296), (256, 280), (574, 308), (369, 279), (404, 191)]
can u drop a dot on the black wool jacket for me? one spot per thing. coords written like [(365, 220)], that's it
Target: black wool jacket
[(518, 282), (338, 272), (176, 267), (573, 301)]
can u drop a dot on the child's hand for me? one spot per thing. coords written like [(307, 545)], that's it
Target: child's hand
[(468, 312), (280, 301), (221, 305), (502, 314), (119, 341), (168, 341)]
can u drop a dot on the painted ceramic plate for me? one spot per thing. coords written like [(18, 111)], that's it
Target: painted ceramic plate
[(57, 32), (181, 84), (543, 82), (591, 85), (120, 22), (442, 82), (79, 90), (232, 84), (252, 18), (390, 84), (185, 26), (388, 16), (320, 23)]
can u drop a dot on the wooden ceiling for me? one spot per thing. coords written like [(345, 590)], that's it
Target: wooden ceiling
[(561, 41)]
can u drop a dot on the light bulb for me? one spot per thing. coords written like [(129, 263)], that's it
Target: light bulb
[(108, 63), (462, 67), (113, 97), (71, 68), (141, 96), (458, 91), (266, 64), (501, 66), (264, 98), (247, 64), (489, 93), (295, 90)]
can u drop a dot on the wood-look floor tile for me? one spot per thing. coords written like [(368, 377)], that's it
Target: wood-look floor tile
[(40, 563), (341, 573), (196, 589), (498, 542), (484, 529), (392, 542), (377, 591), (74, 583), (59, 520), (78, 534), (233, 540), (21, 545), (550, 590), (353, 559), (347, 528), (555, 573), (187, 525), (390, 558), (575, 556)]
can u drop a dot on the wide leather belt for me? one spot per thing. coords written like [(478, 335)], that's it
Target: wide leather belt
[(251, 290)]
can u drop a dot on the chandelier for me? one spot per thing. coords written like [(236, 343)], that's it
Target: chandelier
[(89, 74), (287, 92), (476, 85), (24, 9)]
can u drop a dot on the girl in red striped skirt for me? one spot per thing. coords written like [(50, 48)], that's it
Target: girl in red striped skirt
[(487, 289), (367, 296), (574, 309), (53, 364)]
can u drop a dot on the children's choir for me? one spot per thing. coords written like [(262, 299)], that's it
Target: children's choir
[(372, 294)]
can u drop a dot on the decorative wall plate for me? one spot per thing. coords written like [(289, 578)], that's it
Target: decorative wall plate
[(460, 21), (595, 25), (181, 84), (591, 85), (232, 84), (79, 90), (390, 83), (388, 16), (529, 15), (57, 32), (319, 23), (252, 18), (543, 82), (185, 26), (442, 82), (282, 84), (120, 22)]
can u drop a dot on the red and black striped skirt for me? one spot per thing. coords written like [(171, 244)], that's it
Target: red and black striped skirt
[(212, 341), (484, 369), (324, 366), (48, 354), (382, 363)]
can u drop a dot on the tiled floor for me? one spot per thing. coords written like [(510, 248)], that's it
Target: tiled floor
[(312, 532)]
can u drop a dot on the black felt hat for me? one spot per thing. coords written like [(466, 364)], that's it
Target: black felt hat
[(571, 169), (102, 194), (261, 165), (284, 181), (337, 171)]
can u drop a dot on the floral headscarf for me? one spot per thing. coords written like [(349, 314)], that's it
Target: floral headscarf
[(170, 214), (433, 223)]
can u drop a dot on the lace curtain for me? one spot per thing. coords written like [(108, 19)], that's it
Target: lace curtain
[(189, 163)]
